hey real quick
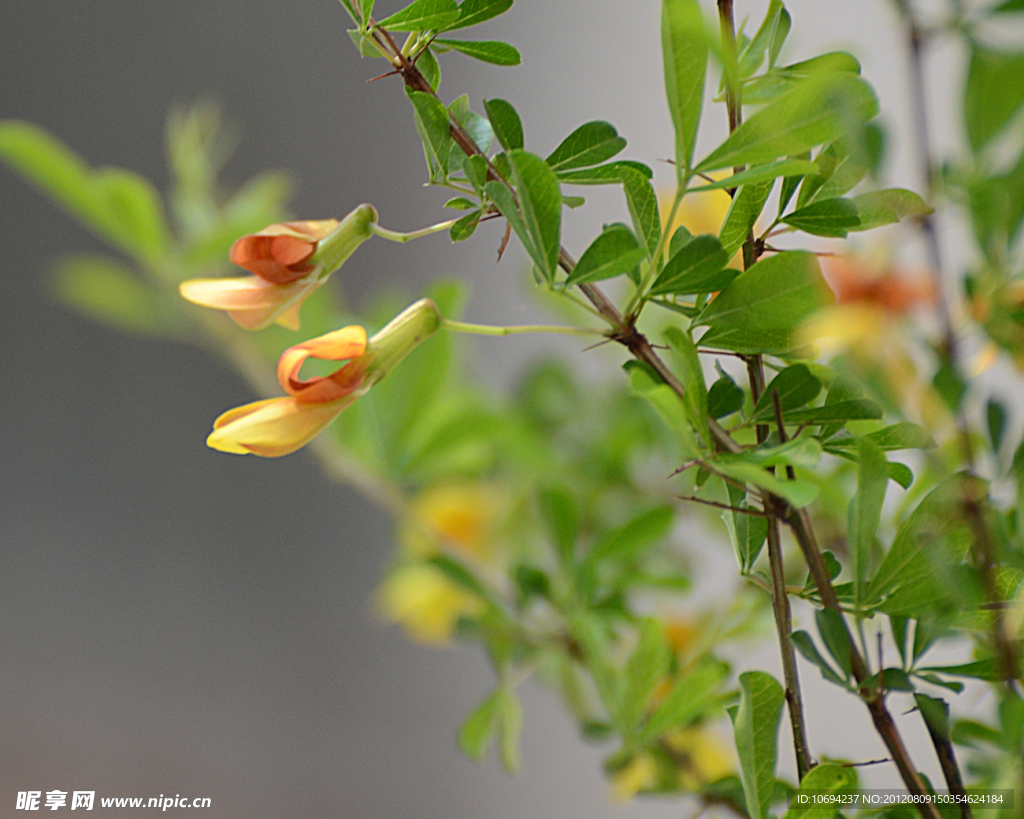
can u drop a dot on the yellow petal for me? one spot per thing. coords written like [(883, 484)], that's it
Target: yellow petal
[(274, 427), (252, 302), (425, 602), (314, 229), (640, 773)]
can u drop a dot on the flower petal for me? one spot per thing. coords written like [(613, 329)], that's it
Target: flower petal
[(339, 345), (274, 427), (252, 302), (256, 254)]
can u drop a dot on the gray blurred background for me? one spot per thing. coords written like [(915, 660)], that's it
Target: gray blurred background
[(173, 620)]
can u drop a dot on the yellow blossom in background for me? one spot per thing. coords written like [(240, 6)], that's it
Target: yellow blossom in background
[(461, 519), (425, 602), (705, 756), (458, 516), (699, 213), (639, 774)]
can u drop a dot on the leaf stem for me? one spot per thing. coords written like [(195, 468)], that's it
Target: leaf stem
[(489, 330), (396, 236)]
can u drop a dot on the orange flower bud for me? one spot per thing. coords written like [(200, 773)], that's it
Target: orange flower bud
[(289, 262), (280, 253)]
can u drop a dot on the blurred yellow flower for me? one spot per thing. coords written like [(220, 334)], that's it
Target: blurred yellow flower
[(425, 602), (458, 516), (704, 757), (698, 212), (639, 774)]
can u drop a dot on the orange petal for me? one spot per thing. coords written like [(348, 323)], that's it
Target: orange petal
[(290, 251), (339, 345), (256, 254), (274, 427)]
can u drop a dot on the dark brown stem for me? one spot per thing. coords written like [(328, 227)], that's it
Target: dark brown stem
[(950, 768), (800, 523)]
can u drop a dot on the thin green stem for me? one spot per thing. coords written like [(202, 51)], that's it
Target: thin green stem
[(396, 236), (489, 330)]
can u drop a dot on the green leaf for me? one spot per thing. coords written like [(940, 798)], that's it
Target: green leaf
[(842, 164), (724, 398), (817, 110), (480, 727), (866, 510), (561, 515), (611, 254), (478, 128), (465, 227), (366, 8), (698, 267), (632, 539), (809, 651), (643, 206), (762, 173), (887, 207), (796, 386), (756, 727), (856, 409), (836, 637), (935, 534), (120, 205), (903, 435), (590, 144), (609, 174), (684, 48), (798, 493), (666, 404), (752, 342), (936, 716), (477, 11), (747, 532), (434, 129), (112, 294), (805, 451), (770, 34), (538, 220), (460, 203), (510, 723), (508, 128), (692, 375), (747, 204), (435, 15), (488, 51), (693, 694), (644, 670), (461, 576), (827, 778), (759, 90), (994, 93), (426, 62), (777, 293), (987, 669), (826, 217)]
